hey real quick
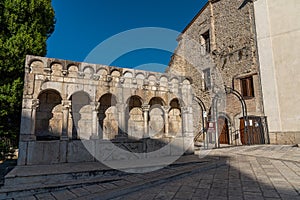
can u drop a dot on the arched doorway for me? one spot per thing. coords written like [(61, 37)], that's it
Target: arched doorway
[(223, 130), (49, 116)]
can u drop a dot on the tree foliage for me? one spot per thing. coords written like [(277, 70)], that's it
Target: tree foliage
[(25, 26)]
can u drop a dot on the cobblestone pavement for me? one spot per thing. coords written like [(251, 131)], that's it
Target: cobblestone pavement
[(244, 172)]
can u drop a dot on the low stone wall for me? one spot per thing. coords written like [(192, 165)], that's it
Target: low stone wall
[(74, 151), (284, 137)]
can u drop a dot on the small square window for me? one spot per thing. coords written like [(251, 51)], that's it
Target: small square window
[(247, 88)]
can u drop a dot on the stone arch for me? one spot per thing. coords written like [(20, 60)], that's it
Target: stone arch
[(175, 84), (187, 81), (175, 120), (108, 116), (72, 70), (199, 123), (81, 117), (156, 117), (49, 115), (140, 75), (102, 71), (174, 80), (88, 71), (115, 73), (134, 117), (163, 80), (35, 60), (157, 100), (152, 79), (49, 85), (140, 78), (56, 68), (127, 74), (36, 66), (224, 128)]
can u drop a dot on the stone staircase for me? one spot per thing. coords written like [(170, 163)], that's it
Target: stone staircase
[(22, 180)]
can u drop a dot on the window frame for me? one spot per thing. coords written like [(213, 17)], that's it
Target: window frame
[(207, 79), (247, 87), (206, 41)]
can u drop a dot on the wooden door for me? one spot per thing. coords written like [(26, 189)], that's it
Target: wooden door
[(254, 133), (223, 130), (242, 131)]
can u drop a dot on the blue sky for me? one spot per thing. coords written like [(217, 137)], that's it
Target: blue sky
[(82, 25)]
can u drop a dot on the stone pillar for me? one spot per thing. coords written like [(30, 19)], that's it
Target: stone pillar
[(65, 121), (187, 126), (184, 112), (166, 119), (27, 129), (121, 118), (34, 106), (95, 108), (145, 109)]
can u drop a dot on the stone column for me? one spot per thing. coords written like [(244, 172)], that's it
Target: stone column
[(34, 106), (27, 129), (145, 109), (95, 108), (187, 126), (166, 119), (65, 121), (121, 117), (184, 112)]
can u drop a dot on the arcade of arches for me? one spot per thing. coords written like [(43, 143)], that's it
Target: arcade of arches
[(66, 103), (155, 119)]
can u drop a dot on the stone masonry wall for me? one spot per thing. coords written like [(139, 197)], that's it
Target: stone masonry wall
[(232, 55)]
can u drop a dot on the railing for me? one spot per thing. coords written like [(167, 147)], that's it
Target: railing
[(198, 135)]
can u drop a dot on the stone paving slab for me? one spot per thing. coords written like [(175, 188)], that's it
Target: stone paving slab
[(244, 172)]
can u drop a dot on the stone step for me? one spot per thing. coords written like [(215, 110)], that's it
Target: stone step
[(22, 179)]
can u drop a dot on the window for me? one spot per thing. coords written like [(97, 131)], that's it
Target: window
[(247, 87), (206, 41), (207, 79)]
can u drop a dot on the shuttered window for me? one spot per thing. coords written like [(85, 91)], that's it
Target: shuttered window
[(247, 89)]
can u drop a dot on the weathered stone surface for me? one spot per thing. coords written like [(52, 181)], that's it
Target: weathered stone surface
[(71, 101), (221, 38)]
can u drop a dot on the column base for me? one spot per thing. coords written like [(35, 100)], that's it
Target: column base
[(94, 137), (28, 137), (64, 138)]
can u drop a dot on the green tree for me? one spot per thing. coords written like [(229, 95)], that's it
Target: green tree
[(25, 26)]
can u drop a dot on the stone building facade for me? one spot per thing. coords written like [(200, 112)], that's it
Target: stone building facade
[(218, 51), (78, 112)]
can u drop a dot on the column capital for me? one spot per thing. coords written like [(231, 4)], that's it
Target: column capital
[(121, 106), (166, 108), (186, 109), (145, 107), (66, 103), (95, 105), (35, 103)]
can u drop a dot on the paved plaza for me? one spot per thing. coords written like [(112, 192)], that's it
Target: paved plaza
[(243, 172)]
